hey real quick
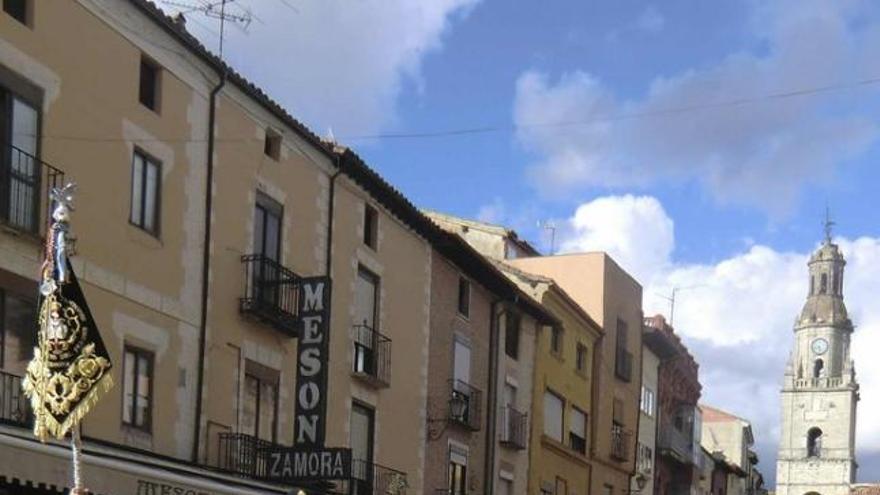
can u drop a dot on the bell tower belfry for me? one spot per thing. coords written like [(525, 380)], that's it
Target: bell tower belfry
[(820, 391)]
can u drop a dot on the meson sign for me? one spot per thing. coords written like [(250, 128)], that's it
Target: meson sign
[(311, 370)]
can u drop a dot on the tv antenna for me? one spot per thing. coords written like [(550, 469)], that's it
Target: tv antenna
[(551, 227), (671, 299), (216, 9)]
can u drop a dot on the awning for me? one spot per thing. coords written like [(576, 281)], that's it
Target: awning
[(25, 462)]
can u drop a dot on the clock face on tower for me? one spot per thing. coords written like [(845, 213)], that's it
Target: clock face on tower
[(819, 346)]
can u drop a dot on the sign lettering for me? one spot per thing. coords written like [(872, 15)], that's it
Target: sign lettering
[(311, 370), (291, 465)]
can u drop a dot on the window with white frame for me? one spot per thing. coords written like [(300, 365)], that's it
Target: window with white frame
[(146, 183), (647, 403), (577, 435), (553, 415)]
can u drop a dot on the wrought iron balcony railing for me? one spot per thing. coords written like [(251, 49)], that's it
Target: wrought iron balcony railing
[(22, 192), (465, 405), (243, 455), (620, 440), (14, 406), (271, 293), (368, 478), (514, 428), (623, 365), (371, 355)]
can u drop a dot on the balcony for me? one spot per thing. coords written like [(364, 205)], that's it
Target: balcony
[(25, 181), (15, 409), (514, 428), (368, 478), (676, 444), (623, 365), (371, 356), (620, 440), (243, 455), (271, 293), (465, 405)]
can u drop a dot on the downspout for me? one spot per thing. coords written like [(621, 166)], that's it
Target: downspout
[(329, 259), (206, 264), (489, 468)]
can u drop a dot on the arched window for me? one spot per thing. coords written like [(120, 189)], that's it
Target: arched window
[(814, 442), (818, 367), (823, 284)]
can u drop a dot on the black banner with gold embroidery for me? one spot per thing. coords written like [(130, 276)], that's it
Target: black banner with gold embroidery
[(71, 366)]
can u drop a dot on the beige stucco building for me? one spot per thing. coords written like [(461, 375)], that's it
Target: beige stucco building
[(563, 403), (202, 207)]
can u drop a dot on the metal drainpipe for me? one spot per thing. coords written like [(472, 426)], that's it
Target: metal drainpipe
[(489, 468), (206, 264)]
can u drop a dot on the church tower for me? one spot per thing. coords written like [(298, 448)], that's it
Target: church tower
[(820, 391)]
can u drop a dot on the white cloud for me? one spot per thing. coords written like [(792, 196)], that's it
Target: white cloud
[(757, 154), (611, 224), (336, 63), (738, 316)]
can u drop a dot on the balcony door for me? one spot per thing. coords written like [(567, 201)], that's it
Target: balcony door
[(361, 441), (19, 127), (267, 247), (365, 315), (461, 375)]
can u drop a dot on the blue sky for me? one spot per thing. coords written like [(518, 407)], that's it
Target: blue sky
[(687, 190)]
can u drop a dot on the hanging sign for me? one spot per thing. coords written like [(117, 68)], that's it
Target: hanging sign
[(293, 465), (311, 370)]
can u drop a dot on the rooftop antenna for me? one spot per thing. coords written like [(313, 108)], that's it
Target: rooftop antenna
[(216, 9), (829, 224), (671, 299), (550, 226)]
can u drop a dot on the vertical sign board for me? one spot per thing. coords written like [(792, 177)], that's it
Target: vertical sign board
[(311, 369)]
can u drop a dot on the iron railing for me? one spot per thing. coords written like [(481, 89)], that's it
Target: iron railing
[(514, 428), (623, 365), (14, 406), (468, 396), (271, 292), (620, 440), (368, 478), (371, 355), (22, 177), (243, 455)]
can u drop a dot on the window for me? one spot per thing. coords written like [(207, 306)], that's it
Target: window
[(511, 335), (19, 189), (137, 386), (361, 441), (145, 192), (272, 145), (580, 363), (457, 472), (647, 402), (505, 486), (366, 298), (18, 9), (623, 358), (553, 415), (812, 285), (561, 486), (823, 284), (818, 368), (577, 435), (17, 337), (148, 91), (267, 227), (464, 297), (371, 226), (260, 402), (556, 340), (645, 459), (814, 442)]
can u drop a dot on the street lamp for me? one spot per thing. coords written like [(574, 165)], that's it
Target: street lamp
[(457, 406)]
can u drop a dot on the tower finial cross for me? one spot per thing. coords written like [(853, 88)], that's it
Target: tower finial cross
[(829, 225)]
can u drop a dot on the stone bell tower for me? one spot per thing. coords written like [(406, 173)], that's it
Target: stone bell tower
[(820, 391)]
